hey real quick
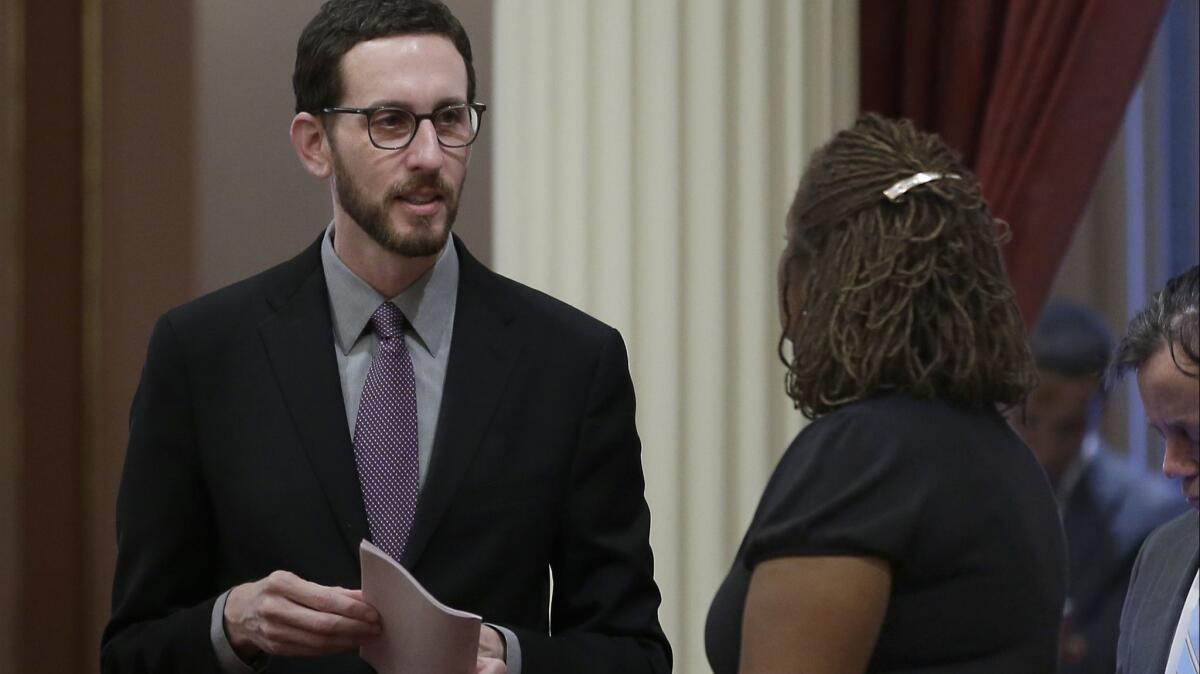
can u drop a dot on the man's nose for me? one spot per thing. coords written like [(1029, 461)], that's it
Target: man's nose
[(424, 153), (1180, 459)]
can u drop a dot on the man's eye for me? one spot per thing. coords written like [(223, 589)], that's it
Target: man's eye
[(1191, 434), (392, 119), (449, 117)]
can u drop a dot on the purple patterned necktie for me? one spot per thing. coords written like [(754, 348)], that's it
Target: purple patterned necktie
[(385, 436)]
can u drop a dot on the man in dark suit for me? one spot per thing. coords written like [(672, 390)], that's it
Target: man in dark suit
[(1159, 630), (382, 385), (1107, 506)]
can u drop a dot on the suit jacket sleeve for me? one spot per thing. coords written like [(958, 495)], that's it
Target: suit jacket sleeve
[(163, 589), (604, 614)]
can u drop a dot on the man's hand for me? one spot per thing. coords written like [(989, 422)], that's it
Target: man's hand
[(283, 614), (491, 643), (490, 666), (491, 652)]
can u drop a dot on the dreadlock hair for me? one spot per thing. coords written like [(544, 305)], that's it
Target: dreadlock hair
[(909, 295), (1171, 320)]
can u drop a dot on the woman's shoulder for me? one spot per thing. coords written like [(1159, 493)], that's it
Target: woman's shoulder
[(904, 414), (910, 436)]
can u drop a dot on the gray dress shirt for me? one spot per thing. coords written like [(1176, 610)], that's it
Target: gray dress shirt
[(429, 305)]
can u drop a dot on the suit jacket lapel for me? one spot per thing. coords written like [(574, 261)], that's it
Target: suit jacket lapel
[(483, 349), (299, 343), (1167, 593), (1185, 565)]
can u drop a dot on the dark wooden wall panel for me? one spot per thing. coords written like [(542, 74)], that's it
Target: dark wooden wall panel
[(52, 597), (11, 270), (144, 248)]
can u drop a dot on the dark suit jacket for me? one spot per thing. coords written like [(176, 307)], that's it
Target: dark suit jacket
[(1161, 578), (240, 463), (1106, 518)]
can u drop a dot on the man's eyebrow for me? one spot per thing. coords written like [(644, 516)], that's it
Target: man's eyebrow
[(395, 103)]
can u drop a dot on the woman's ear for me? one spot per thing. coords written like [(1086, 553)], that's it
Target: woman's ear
[(311, 142)]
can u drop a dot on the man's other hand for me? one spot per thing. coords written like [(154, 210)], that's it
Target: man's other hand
[(491, 659), (491, 643), (490, 666), (284, 614)]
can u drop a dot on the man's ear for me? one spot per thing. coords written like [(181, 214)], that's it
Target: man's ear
[(312, 144)]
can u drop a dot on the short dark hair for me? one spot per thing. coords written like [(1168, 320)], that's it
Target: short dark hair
[(341, 24), (898, 296), (1172, 319), (1071, 339)]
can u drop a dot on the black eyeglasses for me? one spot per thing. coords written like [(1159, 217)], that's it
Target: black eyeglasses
[(394, 128)]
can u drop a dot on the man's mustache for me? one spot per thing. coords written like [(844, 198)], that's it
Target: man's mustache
[(426, 183)]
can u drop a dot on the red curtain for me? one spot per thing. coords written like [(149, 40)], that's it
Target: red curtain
[(1031, 92)]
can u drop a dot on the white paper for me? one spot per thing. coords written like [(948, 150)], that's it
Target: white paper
[(420, 634)]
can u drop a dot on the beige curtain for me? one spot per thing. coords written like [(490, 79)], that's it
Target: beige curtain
[(645, 155)]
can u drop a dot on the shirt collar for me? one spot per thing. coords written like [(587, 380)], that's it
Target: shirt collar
[(428, 303)]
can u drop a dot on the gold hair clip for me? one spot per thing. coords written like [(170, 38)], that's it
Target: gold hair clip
[(896, 191)]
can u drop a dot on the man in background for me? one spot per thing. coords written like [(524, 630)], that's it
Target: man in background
[(1107, 506), (1160, 622)]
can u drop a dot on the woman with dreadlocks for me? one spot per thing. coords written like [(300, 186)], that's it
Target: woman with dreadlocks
[(907, 528)]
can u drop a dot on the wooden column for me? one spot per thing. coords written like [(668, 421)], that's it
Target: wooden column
[(140, 246), (11, 272), (96, 213), (51, 598)]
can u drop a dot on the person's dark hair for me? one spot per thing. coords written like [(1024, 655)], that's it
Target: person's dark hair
[(897, 296), (1172, 319), (1071, 339), (341, 24)]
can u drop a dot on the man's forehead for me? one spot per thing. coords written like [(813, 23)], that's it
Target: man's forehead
[(1163, 386), (411, 65)]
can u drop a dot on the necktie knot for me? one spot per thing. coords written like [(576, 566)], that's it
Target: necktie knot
[(388, 321)]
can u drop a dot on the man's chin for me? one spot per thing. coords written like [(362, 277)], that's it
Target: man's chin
[(424, 240)]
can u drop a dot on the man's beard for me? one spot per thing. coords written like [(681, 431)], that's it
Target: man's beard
[(427, 239)]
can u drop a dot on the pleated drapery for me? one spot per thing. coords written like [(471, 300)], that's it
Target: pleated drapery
[(1030, 91), (645, 156)]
